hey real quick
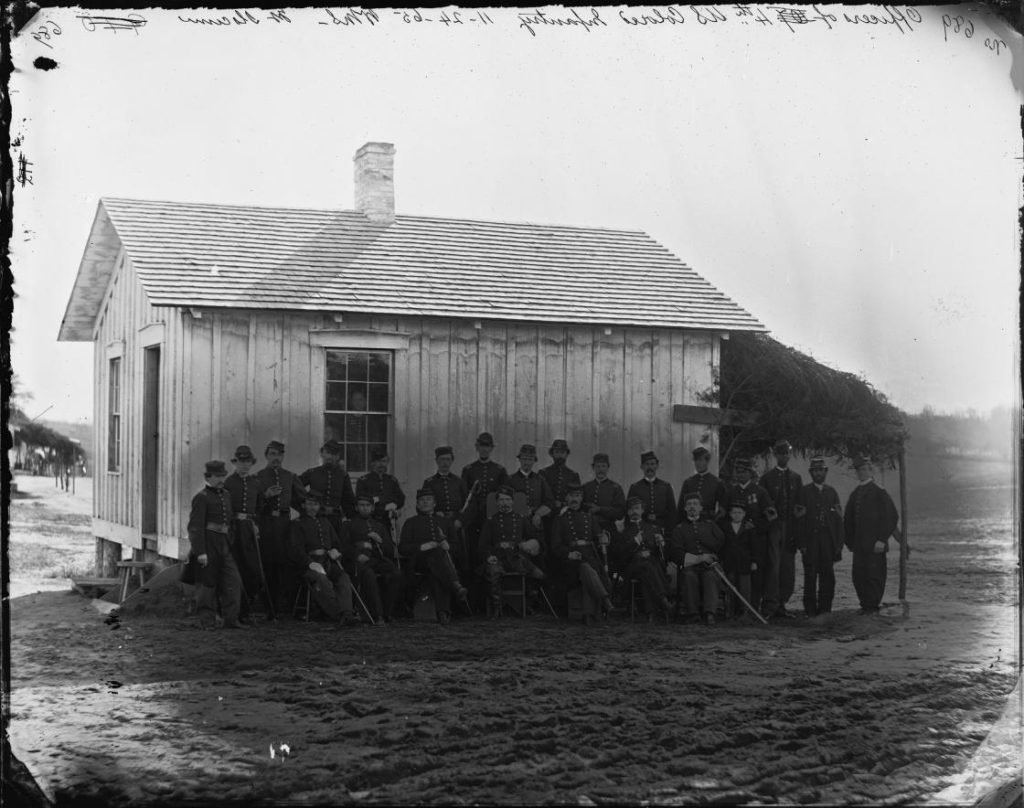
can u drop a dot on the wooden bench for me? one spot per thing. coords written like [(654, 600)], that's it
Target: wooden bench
[(94, 587), (127, 568)]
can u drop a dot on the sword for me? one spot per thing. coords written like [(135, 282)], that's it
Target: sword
[(717, 567), (355, 592), (263, 575)]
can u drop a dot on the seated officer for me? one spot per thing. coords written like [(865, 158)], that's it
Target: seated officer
[(383, 489), (575, 540), (639, 554), (317, 551), (506, 547), (428, 539), (370, 553), (694, 547), (738, 552)]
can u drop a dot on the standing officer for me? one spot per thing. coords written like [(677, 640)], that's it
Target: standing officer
[(450, 501), (427, 539), (712, 491), (539, 499), (603, 497), (382, 488), (334, 485), (784, 487), (819, 535), (246, 493), (764, 589), (558, 475), (657, 495), (282, 491), (869, 521), (209, 533), (482, 477)]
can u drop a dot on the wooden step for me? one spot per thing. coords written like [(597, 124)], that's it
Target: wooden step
[(94, 587)]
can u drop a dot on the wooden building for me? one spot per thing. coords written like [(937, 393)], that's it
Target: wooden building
[(218, 325)]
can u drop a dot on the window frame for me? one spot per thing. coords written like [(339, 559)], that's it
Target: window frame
[(389, 414), (115, 422)]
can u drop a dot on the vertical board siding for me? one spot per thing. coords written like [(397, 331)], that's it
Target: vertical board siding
[(551, 421)]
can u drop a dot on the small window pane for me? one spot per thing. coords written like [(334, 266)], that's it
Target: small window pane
[(336, 395), (378, 398), (356, 397), (355, 428), (334, 427), (335, 366), (380, 368), (378, 429), (357, 367)]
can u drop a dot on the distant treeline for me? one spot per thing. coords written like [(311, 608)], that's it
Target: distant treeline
[(964, 434)]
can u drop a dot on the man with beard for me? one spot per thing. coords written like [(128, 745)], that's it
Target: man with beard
[(450, 495), (427, 539), (578, 542), (712, 490), (694, 547), (282, 491), (760, 512), (558, 475), (784, 487), (482, 477), (656, 494), (246, 495), (317, 552), (370, 553), (506, 548), (819, 534), (603, 497), (334, 485), (210, 530), (382, 488), (869, 521), (639, 554)]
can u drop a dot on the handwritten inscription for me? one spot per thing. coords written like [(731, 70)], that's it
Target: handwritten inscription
[(133, 22), (24, 170), (45, 32), (586, 20), (352, 16)]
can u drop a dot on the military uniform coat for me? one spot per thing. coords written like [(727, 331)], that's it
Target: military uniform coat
[(785, 488), (712, 495), (608, 501), (577, 531), (491, 477), (450, 492), (758, 501), (659, 502), (558, 478), (695, 538), (738, 551), (356, 541), (628, 543), (335, 486), (870, 517), (820, 532), (502, 527), (384, 489)]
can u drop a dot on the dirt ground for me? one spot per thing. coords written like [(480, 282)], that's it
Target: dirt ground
[(920, 704)]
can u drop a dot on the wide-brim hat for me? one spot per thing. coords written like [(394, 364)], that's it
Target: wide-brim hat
[(243, 453)]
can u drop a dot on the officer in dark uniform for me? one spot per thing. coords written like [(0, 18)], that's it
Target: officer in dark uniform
[(382, 488), (603, 497), (317, 552), (578, 542), (282, 491), (482, 477), (427, 539), (657, 495), (694, 547), (638, 552), (210, 534), (712, 490), (869, 521), (539, 499), (558, 475), (334, 485), (247, 506), (819, 538), (761, 512), (784, 486), (506, 548), (451, 501), (371, 556)]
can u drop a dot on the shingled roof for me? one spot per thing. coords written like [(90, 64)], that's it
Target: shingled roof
[(328, 260)]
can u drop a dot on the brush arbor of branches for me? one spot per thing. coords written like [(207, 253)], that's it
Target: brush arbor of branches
[(784, 393)]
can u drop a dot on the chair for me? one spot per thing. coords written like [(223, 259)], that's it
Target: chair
[(514, 592), (126, 568), (305, 597), (581, 605)]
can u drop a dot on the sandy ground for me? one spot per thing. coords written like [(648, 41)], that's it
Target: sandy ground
[(918, 705)]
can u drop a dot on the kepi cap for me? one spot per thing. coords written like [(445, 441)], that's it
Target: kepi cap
[(818, 462), (364, 498), (378, 453), (424, 492), (559, 444), (243, 453), (485, 439), (691, 496), (275, 446), (506, 490), (782, 447), (527, 450), (701, 451), (861, 460), (216, 467), (634, 501), (331, 447), (440, 451), (601, 457), (648, 456), (742, 464)]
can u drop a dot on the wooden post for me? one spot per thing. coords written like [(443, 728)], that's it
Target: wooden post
[(108, 553), (904, 545)]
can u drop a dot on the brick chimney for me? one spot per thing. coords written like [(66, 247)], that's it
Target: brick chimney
[(375, 181)]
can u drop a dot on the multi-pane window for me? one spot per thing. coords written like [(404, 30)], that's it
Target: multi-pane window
[(114, 419), (358, 404)]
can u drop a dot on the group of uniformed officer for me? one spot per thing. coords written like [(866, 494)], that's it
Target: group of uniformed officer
[(471, 530)]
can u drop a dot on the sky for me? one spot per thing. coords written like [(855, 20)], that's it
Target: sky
[(853, 184)]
